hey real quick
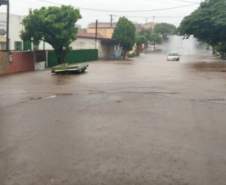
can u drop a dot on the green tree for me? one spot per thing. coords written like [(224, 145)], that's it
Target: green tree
[(208, 24), (124, 34), (140, 41), (165, 29), (54, 25), (155, 38)]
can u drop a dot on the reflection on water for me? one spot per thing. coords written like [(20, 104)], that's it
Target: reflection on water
[(186, 46)]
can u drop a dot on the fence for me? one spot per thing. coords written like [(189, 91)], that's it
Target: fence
[(16, 62), (3, 62), (25, 61), (75, 56)]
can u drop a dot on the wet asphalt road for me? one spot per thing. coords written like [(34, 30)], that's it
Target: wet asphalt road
[(144, 122)]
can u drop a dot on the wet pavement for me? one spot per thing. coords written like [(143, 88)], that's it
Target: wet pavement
[(141, 122)]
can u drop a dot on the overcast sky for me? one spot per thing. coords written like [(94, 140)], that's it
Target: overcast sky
[(116, 7)]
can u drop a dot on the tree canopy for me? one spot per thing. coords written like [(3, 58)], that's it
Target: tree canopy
[(155, 38), (54, 25), (147, 36), (208, 24), (140, 39), (124, 34), (165, 29)]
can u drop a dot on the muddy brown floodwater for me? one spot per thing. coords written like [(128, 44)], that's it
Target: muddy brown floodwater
[(141, 122)]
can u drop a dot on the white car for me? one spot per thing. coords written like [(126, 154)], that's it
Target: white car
[(173, 57)]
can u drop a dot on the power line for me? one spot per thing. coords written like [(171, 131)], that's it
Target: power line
[(124, 11), (185, 1), (138, 11), (151, 16)]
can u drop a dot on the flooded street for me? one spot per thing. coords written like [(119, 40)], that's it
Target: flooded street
[(147, 121)]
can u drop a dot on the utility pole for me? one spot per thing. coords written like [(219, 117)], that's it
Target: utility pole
[(6, 2), (153, 28), (111, 20), (7, 32), (96, 33)]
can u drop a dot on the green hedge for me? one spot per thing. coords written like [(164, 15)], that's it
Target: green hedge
[(74, 56)]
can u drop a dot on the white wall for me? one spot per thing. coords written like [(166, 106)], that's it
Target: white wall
[(15, 27), (83, 43)]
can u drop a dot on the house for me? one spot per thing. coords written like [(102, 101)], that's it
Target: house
[(103, 28), (149, 26), (14, 31), (86, 39), (106, 46), (99, 36), (15, 28)]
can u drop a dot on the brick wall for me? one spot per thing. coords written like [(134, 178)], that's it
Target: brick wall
[(18, 62), (3, 62)]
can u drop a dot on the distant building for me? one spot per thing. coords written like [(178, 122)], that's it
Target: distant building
[(148, 26), (103, 28), (15, 28), (2, 34), (139, 27), (99, 37), (106, 46), (14, 31)]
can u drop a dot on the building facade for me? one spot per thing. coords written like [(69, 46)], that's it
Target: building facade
[(15, 27), (106, 46), (104, 29)]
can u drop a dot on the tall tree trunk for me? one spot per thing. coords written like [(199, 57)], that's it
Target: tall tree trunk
[(59, 59), (124, 54), (60, 56), (138, 50)]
